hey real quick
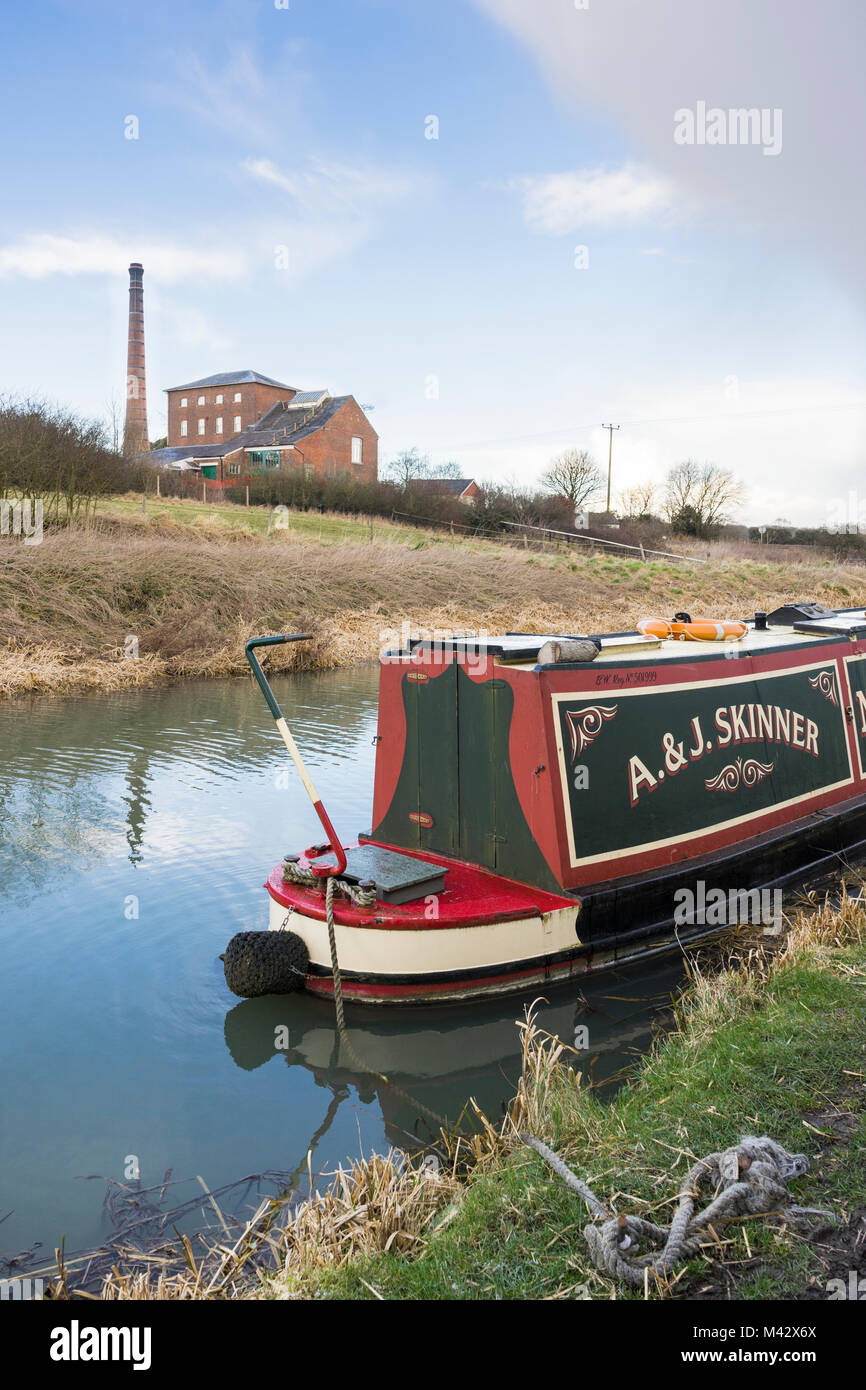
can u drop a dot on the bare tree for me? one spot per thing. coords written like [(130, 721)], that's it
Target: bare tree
[(637, 502), (574, 475), (699, 497), (114, 414), (51, 454), (408, 465), (449, 469)]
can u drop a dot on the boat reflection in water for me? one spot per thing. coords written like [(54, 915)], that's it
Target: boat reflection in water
[(441, 1055)]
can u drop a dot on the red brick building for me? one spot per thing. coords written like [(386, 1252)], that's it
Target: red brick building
[(461, 489), (241, 425), (219, 407)]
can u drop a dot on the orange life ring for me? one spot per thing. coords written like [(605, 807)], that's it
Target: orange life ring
[(701, 630)]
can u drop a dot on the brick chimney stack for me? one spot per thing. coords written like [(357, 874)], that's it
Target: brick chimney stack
[(135, 440)]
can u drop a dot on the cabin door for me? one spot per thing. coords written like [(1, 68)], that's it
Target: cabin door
[(483, 711), (431, 763)]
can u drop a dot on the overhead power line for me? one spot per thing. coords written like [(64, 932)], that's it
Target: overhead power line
[(825, 407)]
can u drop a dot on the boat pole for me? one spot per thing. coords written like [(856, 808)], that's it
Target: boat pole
[(323, 870)]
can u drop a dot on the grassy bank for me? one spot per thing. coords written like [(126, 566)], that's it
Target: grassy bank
[(191, 583), (773, 1043)]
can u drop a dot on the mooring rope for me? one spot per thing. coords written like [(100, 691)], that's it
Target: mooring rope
[(748, 1179), (362, 896)]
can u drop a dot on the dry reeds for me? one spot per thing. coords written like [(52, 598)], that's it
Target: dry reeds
[(192, 597), (382, 1203)]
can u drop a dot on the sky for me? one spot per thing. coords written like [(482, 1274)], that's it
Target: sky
[(495, 222)]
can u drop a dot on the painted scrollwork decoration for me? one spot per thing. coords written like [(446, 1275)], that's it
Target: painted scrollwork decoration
[(737, 773), (585, 725)]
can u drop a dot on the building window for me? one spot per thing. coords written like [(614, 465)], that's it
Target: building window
[(234, 468), (183, 400), (237, 424), (219, 399), (201, 426), (263, 458), (219, 424), (309, 470), (184, 430), (357, 448), (237, 395), (201, 400)]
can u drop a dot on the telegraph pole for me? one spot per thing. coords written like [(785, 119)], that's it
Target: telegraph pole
[(610, 429)]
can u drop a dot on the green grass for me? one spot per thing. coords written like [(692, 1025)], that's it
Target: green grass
[(327, 527), (753, 1056)]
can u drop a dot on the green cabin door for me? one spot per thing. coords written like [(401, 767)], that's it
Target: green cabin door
[(431, 761), (457, 738), (455, 794), (484, 772)]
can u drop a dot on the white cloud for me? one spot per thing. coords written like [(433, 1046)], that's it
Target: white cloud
[(569, 202), (39, 254), (236, 99), (640, 63), (186, 326), (324, 183)]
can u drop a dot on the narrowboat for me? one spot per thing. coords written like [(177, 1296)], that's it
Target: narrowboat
[(547, 804)]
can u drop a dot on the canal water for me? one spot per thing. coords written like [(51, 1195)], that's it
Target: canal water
[(136, 832)]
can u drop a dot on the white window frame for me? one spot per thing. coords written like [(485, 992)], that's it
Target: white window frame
[(357, 448), (238, 425), (184, 429), (201, 401), (218, 400), (184, 401), (218, 426), (202, 426), (237, 397)]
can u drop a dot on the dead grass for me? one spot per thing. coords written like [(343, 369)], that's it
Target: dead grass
[(192, 598)]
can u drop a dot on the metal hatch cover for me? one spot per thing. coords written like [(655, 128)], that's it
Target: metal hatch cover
[(399, 878)]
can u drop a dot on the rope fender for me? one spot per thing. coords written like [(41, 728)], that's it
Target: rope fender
[(748, 1179)]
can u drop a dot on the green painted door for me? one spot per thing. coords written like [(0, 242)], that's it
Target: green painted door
[(479, 759), (431, 761)]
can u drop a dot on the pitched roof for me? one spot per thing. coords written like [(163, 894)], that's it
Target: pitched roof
[(456, 486), (231, 379), (279, 425)]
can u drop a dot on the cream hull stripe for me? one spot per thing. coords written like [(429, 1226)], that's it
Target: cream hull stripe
[(430, 951)]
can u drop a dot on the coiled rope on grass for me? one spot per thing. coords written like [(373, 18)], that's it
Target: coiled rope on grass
[(748, 1179)]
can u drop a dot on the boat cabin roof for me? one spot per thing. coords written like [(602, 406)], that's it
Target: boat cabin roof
[(792, 625)]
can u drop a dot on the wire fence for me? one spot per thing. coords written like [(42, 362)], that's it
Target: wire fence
[(541, 536)]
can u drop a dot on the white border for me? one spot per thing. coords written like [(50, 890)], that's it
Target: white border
[(860, 656)]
